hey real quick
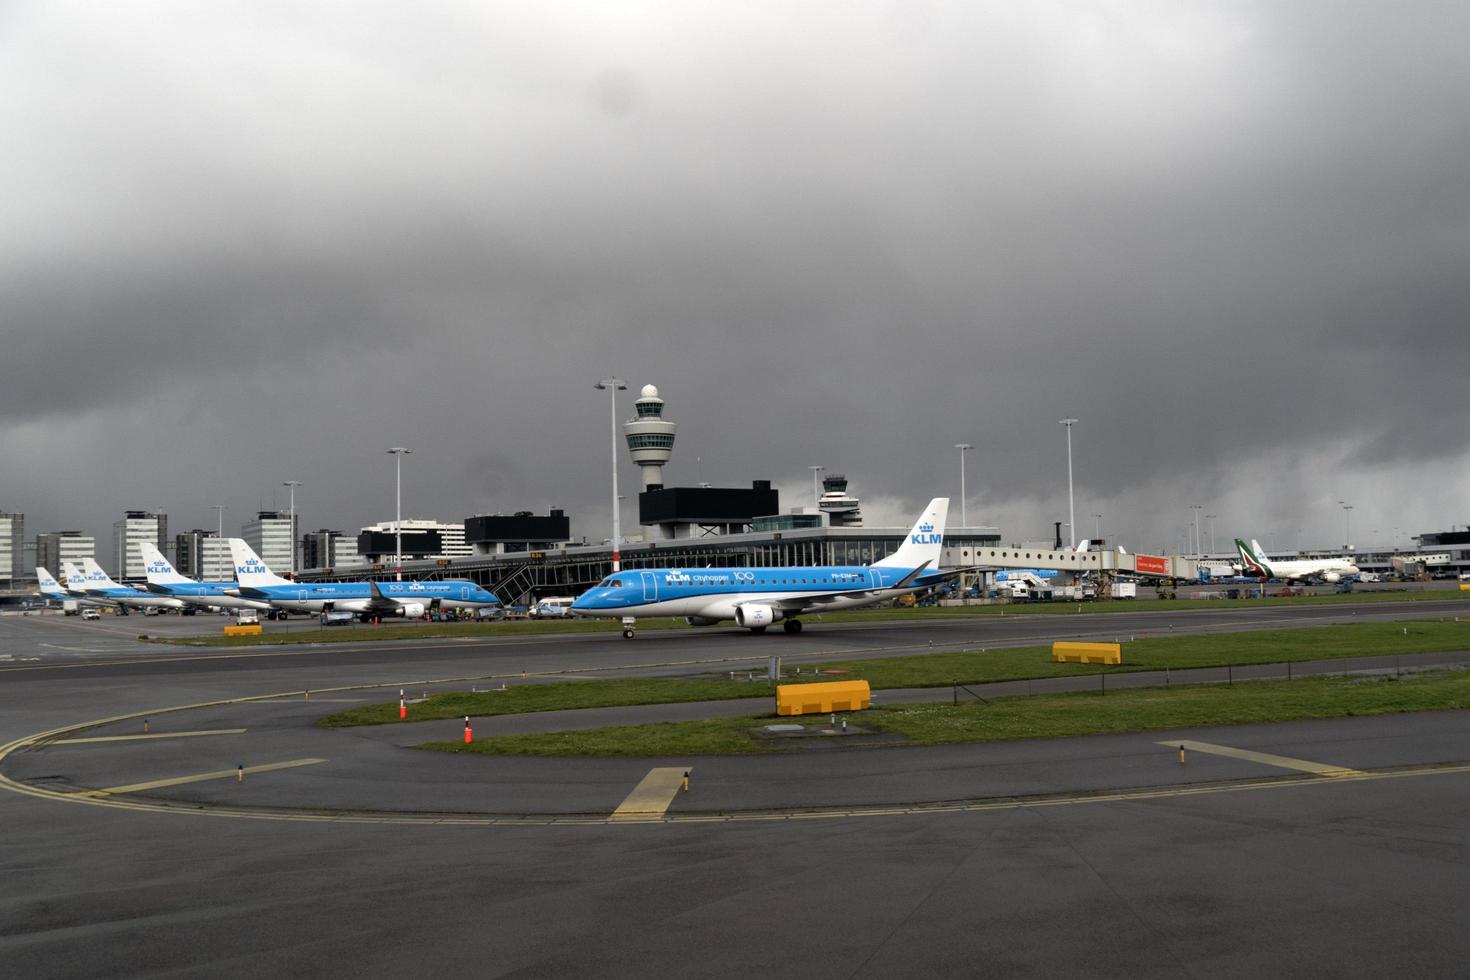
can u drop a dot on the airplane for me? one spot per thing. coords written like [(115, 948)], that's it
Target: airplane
[(48, 586), (95, 584), (759, 596), (407, 599), (1253, 562), (164, 579)]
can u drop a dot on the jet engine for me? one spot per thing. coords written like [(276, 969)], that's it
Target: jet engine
[(1331, 578), (753, 616), (411, 610)]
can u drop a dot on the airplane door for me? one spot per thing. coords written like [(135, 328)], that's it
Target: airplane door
[(875, 579), (301, 594), (464, 592), (650, 586)]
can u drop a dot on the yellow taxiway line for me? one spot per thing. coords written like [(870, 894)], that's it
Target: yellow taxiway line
[(651, 798), (200, 778), (1265, 759), (138, 738)]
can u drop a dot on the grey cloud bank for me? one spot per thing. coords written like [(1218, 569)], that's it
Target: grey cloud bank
[(264, 242)]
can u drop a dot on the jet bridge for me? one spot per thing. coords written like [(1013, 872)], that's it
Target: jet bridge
[(1097, 562)]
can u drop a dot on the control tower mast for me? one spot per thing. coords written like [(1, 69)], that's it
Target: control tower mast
[(650, 436)]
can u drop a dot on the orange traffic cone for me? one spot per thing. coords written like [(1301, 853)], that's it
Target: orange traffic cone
[(469, 733)]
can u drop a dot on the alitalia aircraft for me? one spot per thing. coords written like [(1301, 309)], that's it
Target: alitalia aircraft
[(1253, 562), (407, 599), (164, 579), (757, 597)]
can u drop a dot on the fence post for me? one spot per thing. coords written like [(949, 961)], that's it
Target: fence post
[(955, 690), (1229, 676)]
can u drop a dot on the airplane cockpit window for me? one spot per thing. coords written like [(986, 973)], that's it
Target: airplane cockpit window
[(611, 583)]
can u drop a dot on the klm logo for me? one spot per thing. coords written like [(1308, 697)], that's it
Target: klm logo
[(157, 568), (926, 535)]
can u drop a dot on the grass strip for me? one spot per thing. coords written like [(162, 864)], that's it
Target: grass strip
[(942, 669), (359, 633), (1040, 716)]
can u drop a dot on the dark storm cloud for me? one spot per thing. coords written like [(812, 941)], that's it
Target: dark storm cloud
[(1231, 239)]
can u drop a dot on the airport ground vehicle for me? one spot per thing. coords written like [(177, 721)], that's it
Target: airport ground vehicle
[(70, 607), (90, 613), (553, 607), (247, 617)]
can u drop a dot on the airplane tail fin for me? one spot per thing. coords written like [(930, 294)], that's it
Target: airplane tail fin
[(49, 585), (1083, 545), (160, 570), (72, 575), (95, 576), (249, 569), (924, 541), (1257, 552)]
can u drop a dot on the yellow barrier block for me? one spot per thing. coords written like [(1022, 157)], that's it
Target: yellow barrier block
[(243, 630), (819, 699), (1087, 653), (1465, 586)]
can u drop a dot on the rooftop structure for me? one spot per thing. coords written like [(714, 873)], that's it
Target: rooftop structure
[(842, 508)]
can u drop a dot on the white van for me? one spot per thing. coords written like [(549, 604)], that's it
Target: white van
[(553, 608), (247, 617), (90, 612)]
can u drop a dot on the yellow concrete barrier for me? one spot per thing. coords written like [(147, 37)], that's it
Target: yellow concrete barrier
[(818, 699), (243, 630), (1465, 586), (1087, 653)]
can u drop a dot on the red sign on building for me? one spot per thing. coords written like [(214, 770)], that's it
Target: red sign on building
[(1151, 564)]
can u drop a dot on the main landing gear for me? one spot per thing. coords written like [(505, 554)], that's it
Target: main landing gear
[(792, 626)]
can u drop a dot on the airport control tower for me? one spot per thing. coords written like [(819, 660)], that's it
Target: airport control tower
[(650, 436)]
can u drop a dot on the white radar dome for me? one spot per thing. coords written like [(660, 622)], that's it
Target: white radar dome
[(649, 391)]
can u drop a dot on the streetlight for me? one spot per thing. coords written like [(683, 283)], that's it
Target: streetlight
[(1347, 527), (398, 452), (816, 493), (1071, 509), (963, 447), (1097, 527), (1211, 519), (612, 386), (1196, 508), (220, 510), (293, 484)]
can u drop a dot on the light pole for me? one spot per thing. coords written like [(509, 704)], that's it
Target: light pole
[(219, 509), (1347, 527), (293, 484), (612, 386), (963, 447), (398, 452), (1196, 508), (1211, 519), (1097, 527), (816, 493), (1071, 508)]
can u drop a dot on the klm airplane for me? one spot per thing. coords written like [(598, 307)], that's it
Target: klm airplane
[(93, 583), (55, 590), (757, 597), (407, 599), (164, 579)]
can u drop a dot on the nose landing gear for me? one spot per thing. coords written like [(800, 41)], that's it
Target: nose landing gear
[(629, 624)]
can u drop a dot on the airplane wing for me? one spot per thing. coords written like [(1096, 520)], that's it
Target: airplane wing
[(383, 603)]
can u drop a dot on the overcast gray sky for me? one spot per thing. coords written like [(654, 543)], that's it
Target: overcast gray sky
[(242, 243)]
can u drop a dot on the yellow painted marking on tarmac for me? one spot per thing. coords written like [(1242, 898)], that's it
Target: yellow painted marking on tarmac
[(1266, 759), (651, 798), (201, 777), (139, 738), (301, 700)]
